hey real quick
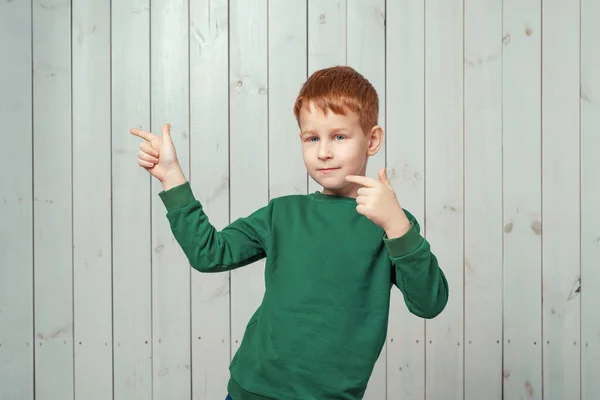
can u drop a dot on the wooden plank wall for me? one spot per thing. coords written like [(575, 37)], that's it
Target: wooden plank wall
[(492, 114)]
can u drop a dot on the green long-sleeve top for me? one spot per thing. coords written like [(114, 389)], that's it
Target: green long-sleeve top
[(329, 271)]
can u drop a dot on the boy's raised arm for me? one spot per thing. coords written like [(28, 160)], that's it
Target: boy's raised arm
[(415, 268), (208, 250), (416, 272)]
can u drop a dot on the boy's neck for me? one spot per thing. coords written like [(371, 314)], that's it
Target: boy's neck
[(348, 191)]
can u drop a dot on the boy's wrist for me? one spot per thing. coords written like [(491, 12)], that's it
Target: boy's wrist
[(173, 178), (398, 231), (398, 227), (400, 246)]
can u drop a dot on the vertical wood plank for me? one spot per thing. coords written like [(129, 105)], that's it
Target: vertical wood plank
[(92, 200), (171, 320), (209, 177), (326, 34), (483, 199), (405, 123), (52, 191), (73, 262), (132, 308), (16, 208), (561, 200), (521, 142), (326, 41), (590, 198), (287, 72), (365, 35), (444, 190), (248, 145)]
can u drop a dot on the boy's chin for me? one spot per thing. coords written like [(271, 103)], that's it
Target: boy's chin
[(335, 187)]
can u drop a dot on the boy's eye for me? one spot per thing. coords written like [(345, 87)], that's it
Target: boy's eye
[(340, 137), (312, 139)]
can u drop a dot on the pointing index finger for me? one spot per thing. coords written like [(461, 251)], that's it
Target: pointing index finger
[(140, 133), (362, 180)]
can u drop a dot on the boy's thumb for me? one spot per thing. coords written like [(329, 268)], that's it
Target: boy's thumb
[(383, 176), (166, 131)]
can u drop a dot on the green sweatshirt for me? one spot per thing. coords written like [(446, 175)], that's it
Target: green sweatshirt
[(329, 270)]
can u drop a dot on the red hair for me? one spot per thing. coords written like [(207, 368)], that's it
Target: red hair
[(339, 89)]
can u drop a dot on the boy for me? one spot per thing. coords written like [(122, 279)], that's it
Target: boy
[(332, 256)]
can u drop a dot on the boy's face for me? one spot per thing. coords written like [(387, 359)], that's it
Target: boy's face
[(334, 146)]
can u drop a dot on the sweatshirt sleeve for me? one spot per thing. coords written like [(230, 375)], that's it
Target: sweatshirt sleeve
[(416, 272), (207, 249)]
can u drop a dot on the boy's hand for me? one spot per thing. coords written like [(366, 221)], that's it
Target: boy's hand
[(377, 201), (158, 156)]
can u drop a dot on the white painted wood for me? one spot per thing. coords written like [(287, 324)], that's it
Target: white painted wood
[(92, 246), (590, 198), (326, 42), (16, 208), (444, 190), (52, 191), (561, 200), (483, 200), (231, 111), (326, 34), (365, 32), (171, 314), (288, 41), (209, 176), (522, 199), (405, 141), (365, 35), (248, 104), (131, 223)]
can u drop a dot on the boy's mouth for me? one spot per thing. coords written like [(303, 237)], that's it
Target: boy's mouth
[(327, 170)]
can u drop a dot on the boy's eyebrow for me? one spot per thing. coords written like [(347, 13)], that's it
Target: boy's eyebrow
[(311, 132)]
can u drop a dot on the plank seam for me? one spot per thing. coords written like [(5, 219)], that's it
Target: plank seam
[(580, 225), (268, 112), (385, 96), (150, 230), (112, 252), (229, 160), (502, 336), (425, 180), (464, 288), (190, 354), (32, 198), (72, 204), (541, 68)]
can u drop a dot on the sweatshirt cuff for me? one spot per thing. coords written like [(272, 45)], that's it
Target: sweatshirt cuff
[(177, 197), (405, 244)]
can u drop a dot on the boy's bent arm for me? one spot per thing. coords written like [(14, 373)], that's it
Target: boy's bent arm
[(208, 250), (416, 272)]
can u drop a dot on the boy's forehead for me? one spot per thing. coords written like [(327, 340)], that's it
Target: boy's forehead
[(313, 122), (315, 115)]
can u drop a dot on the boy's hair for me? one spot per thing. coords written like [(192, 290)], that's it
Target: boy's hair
[(339, 89)]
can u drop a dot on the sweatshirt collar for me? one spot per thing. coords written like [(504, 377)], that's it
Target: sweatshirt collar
[(333, 198)]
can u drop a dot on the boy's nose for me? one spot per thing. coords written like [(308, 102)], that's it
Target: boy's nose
[(324, 153)]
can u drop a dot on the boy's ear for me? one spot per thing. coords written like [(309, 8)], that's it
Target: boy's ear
[(375, 140)]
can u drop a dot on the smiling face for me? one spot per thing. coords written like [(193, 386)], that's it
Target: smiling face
[(334, 146)]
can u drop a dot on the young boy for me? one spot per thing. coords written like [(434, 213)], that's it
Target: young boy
[(332, 256)]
